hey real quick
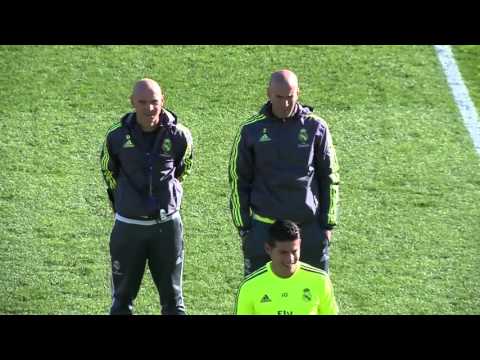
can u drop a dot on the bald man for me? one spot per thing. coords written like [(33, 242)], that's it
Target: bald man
[(283, 167), (144, 159)]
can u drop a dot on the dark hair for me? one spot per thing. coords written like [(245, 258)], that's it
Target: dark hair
[(283, 230)]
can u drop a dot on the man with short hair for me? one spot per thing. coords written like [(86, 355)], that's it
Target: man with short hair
[(286, 286), (144, 158), (283, 166)]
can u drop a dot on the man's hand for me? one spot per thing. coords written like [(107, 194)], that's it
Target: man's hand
[(243, 236), (328, 235)]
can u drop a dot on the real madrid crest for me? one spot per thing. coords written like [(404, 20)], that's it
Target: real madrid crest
[(167, 145), (303, 136)]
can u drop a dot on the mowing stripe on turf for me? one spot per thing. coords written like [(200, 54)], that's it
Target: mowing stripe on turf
[(460, 93)]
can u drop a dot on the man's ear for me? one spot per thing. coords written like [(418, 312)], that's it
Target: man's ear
[(131, 101), (268, 249)]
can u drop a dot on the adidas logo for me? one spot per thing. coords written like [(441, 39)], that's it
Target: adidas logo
[(265, 138), (128, 144), (265, 299)]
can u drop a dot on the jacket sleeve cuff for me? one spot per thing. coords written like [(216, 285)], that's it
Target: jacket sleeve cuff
[(325, 225)]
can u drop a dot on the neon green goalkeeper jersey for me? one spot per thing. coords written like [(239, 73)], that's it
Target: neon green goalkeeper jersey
[(307, 292)]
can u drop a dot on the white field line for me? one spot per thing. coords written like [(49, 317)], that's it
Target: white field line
[(460, 93)]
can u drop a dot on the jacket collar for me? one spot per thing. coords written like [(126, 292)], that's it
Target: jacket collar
[(300, 111), (167, 118)]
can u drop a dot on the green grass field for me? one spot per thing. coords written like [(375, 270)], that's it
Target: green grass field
[(408, 240)]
